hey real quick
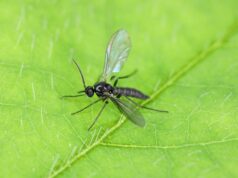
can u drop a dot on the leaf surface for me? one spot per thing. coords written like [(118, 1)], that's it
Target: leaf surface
[(186, 55)]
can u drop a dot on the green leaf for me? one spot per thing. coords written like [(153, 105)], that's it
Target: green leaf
[(186, 55)]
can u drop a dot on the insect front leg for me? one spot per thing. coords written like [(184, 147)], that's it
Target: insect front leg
[(71, 96)]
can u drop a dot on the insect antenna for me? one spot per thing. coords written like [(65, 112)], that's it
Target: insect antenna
[(80, 73)]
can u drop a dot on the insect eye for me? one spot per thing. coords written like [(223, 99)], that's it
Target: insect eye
[(89, 91)]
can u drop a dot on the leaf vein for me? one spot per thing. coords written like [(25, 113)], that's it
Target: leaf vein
[(118, 145), (198, 58)]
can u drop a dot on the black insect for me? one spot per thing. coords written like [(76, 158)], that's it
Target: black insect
[(116, 54)]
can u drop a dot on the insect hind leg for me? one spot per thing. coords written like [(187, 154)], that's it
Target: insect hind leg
[(144, 107), (122, 77)]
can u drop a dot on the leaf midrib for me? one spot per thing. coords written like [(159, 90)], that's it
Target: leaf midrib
[(198, 58)]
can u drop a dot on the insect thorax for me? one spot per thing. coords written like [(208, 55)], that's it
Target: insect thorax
[(103, 88)]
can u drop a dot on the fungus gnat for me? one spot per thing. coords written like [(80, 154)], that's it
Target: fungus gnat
[(116, 54)]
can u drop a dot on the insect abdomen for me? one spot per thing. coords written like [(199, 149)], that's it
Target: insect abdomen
[(129, 92)]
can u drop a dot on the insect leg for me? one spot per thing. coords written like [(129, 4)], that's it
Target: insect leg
[(71, 96), (100, 112), (122, 77), (86, 106), (144, 107)]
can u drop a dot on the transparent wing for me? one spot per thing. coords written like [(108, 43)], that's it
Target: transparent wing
[(117, 52), (130, 111)]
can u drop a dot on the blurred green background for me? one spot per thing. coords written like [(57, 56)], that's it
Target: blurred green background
[(186, 55)]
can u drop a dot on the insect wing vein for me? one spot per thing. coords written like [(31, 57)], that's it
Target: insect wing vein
[(116, 53), (129, 111)]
